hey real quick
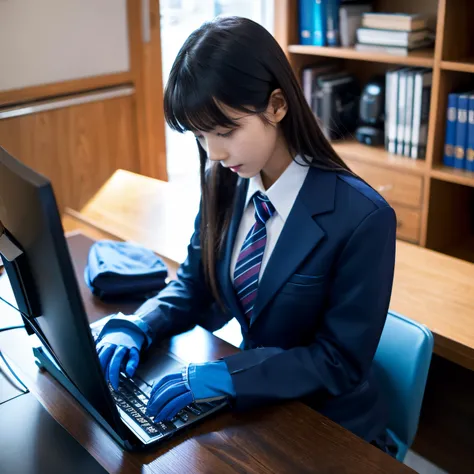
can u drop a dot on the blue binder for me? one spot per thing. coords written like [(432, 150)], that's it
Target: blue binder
[(470, 136), (332, 22), (319, 22), (461, 132), (306, 16), (451, 121)]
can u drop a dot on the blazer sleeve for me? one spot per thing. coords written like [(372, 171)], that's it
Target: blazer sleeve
[(183, 302), (341, 355)]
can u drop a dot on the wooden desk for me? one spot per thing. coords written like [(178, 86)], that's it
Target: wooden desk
[(288, 438), (438, 291), (31, 442), (429, 287)]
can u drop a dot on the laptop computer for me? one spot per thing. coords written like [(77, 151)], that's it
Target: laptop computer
[(37, 260)]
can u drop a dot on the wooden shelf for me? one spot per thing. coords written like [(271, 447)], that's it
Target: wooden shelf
[(466, 65), (352, 149), (422, 57), (445, 173)]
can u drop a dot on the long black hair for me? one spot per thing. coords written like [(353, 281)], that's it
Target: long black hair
[(235, 62)]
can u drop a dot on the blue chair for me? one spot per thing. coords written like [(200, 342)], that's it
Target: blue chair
[(401, 365)]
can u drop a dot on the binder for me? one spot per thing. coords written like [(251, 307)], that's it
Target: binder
[(305, 17), (409, 112), (421, 111), (391, 110), (332, 22), (309, 80), (470, 135), (461, 132), (450, 137), (402, 94), (319, 22), (350, 18)]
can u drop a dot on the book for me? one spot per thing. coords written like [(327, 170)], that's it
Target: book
[(319, 92), (350, 18), (421, 112), (395, 21), (470, 135), (461, 132), (332, 22), (319, 23), (450, 136), (410, 86), (309, 76), (401, 105), (392, 38), (305, 17), (393, 50), (391, 101)]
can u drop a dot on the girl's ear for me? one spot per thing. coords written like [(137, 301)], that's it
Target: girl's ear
[(277, 106)]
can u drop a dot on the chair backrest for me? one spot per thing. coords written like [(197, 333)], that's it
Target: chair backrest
[(401, 364)]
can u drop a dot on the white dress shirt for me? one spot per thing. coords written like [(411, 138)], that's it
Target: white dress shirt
[(282, 195)]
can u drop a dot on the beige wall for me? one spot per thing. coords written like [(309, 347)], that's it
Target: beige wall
[(47, 41)]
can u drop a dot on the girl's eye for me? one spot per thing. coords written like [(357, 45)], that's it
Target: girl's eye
[(227, 134)]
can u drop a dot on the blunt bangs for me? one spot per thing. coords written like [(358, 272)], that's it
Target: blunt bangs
[(192, 105)]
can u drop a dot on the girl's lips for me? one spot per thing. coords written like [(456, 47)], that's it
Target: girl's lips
[(235, 168)]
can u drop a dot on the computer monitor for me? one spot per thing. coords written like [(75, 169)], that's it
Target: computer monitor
[(36, 258)]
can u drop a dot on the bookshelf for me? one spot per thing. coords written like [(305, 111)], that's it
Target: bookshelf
[(434, 203)]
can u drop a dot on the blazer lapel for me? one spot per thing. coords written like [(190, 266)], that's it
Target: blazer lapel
[(223, 269), (299, 235)]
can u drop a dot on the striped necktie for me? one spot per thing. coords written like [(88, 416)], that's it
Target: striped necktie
[(250, 258)]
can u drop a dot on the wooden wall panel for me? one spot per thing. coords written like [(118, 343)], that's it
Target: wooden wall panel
[(78, 148)]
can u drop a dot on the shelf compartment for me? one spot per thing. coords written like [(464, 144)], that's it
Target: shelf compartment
[(450, 219), (453, 175)]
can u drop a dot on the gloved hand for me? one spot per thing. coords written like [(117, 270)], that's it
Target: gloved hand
[(195, 383), (118, 347)]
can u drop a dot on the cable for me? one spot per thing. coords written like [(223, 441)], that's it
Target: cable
[(13, 373), (13, 307), (13, 398), (26, 317), (9, 328), (35, 330)]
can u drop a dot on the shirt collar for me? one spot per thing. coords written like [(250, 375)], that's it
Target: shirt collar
[(283, 192)]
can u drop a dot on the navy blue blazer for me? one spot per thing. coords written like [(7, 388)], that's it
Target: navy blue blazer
[(321, 305)]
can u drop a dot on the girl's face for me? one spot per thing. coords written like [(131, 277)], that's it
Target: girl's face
[(252, 147)]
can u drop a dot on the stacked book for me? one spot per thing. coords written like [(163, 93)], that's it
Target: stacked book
[(393, 33), (407, 105), (459, 139)]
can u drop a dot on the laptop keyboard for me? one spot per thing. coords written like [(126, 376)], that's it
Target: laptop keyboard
[(133, 401)]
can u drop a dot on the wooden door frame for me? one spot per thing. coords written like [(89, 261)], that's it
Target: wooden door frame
[(146, 67)]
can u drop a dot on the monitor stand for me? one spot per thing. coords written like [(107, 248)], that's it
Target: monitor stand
[(45, 361)]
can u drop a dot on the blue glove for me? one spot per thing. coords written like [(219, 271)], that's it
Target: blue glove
[(118, 347), (195, 383)]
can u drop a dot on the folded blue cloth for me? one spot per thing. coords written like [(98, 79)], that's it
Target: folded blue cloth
[(124, 271)]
